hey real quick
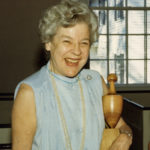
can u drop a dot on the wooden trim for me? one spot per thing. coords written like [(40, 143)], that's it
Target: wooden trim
[(6, 96), (5, 146), (5, 125)]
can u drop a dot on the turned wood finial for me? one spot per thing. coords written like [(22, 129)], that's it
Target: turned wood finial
[(111, 79), (112, 103)]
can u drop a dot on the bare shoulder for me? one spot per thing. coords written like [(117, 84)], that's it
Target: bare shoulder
[(23, 118), (105, 88), (24, 103), (24, 99), (24, 92)]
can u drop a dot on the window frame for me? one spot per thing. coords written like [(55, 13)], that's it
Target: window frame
[(128, 86)]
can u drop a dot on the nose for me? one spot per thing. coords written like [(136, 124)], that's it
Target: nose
[(77, 49)]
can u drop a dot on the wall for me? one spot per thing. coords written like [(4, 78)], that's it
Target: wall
[(137, 95), (20, 48)]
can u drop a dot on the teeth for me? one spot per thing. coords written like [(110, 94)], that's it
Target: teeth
[(72, 60)]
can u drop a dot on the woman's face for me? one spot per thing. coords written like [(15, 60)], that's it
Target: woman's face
[(69, 49)]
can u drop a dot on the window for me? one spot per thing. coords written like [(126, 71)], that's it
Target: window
[(124, 40)]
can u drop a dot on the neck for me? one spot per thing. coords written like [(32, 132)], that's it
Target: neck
[(51, 67)]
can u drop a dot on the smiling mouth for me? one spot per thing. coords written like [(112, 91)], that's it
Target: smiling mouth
[(72, 62)]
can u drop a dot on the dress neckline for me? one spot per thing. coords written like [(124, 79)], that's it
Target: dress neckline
[(63, 78)]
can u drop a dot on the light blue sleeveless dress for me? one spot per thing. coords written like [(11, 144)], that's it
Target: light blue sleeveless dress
[(49, 133)]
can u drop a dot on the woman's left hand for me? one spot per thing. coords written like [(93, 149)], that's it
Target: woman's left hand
[(123, 142)]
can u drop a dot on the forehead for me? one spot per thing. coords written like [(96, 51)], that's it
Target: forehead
[(80, 30)]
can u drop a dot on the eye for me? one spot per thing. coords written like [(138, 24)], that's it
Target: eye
[(66, 41), (85, 43)]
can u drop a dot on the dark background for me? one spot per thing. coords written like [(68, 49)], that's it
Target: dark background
[(21, 52)]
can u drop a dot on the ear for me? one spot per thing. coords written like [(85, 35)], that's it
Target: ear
[(48, 46)]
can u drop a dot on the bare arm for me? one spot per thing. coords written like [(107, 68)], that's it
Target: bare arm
[(23, 119), (123, 127), (124, 140)]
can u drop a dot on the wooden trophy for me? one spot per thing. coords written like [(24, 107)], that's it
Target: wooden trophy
[(112, 107)]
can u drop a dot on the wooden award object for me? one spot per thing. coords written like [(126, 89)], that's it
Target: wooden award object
[(112, 108)]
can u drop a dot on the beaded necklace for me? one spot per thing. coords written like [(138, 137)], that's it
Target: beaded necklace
[(63, 121)]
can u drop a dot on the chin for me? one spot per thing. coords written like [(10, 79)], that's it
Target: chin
[(71, 74)]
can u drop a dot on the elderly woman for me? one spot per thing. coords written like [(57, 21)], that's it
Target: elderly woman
[(60, 106)]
